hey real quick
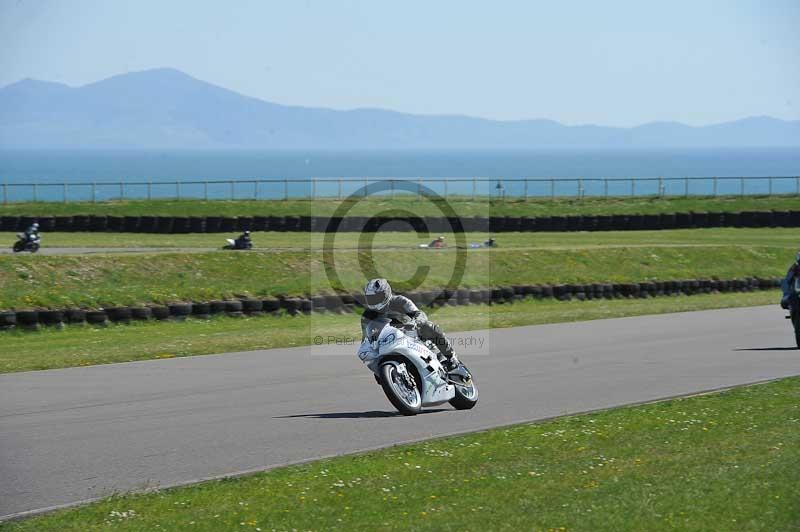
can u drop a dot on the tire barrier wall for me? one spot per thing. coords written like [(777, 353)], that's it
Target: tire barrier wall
[(495, 224), (33, 319)]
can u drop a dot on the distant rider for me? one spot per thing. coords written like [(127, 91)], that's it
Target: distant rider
[(244, 241), (437, 243), (790, 299), (32, 233), (381, 303)]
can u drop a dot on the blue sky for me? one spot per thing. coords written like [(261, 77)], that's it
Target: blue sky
[(612, 62)]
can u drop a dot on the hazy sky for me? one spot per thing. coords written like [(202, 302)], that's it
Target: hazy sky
[(610, 62)]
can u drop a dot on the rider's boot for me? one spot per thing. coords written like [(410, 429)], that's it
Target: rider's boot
[(450, 359)]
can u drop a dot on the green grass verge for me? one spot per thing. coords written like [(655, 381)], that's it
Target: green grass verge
[(85, 345), (271, 240), (462, 206), (721, 461), (102, 280)]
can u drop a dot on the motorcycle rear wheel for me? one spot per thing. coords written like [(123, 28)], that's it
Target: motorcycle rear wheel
[(407, 400)]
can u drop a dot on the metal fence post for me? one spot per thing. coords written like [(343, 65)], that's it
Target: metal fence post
[(5, 193), (314, 188), (366, 186), (205, 190), (94, 192), (475, 187), (149, 190), (686, 187), (178, 189), (419, 188), (741, 186), (605, 187), (660, 187), (580, 188), (255, 190), (552, 189), (121, 190), (339, 194), (715, 186), (391, 184), (770, 186), (64, 191), (285, 189), (526, 188), (633, 187), (35, 192), (445, 188)]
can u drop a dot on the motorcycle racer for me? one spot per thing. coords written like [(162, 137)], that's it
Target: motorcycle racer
[(381, 303)]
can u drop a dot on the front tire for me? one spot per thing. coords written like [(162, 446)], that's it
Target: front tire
[(466, 395), (403, 394), (18, 246)]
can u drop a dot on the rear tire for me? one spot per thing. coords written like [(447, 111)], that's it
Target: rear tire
[(408, 403)]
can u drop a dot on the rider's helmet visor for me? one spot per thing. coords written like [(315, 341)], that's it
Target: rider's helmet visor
[(375, 299)]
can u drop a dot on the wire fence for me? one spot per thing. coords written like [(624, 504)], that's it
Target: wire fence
[(340, 188)]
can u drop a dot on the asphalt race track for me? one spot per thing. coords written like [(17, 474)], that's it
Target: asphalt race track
[(80, 433)]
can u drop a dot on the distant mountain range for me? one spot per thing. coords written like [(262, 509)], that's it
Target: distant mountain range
[(165, 108)]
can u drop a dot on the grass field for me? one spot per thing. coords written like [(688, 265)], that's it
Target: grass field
[(462, 206), (85, 345), (777, 236), (721, 461), (106, 280)]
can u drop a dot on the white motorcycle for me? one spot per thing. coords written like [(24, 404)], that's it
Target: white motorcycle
[(410, 371), (23, 243)]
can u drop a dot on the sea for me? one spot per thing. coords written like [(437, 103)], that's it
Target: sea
[(56, 175)]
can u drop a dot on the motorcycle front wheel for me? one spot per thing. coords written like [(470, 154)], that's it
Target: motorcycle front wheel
[(403, 394), (796, 323), (18, 246), (466, 394)]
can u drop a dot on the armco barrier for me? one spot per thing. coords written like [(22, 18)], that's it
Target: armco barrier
[(495, 224), (31, 319)]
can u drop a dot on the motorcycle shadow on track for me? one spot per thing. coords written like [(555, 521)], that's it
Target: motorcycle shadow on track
[(356, 415), (768, 349)]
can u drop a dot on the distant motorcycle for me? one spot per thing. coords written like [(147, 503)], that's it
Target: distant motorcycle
[(410, 371), (437, 243), (235, 243), (24, 243)]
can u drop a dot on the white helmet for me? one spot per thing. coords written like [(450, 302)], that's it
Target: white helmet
[(35, 225), (377, 294)]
